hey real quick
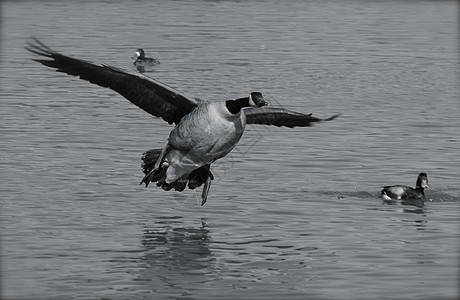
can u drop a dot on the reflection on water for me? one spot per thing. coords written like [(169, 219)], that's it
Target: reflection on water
[(173, 252), (177, 247), (145, 69), (418, 203), (420, 224), (295, 213)]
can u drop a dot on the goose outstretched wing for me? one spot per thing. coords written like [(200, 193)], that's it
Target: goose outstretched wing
[(151, 95), (280, 117)]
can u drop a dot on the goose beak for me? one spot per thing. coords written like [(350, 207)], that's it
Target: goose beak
[(262, 103)]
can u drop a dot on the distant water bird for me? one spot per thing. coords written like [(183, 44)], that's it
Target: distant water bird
[(205, 130), (142, 61), (398, 192)]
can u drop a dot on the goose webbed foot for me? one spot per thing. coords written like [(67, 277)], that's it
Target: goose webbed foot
[(204, 194)]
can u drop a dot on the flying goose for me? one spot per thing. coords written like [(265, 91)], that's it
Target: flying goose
[(204, 130), (398, 192)]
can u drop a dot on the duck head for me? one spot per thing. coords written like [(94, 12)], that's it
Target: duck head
[(422, 181), (139, 53)]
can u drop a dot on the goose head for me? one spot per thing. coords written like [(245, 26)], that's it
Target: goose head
[(256, 99), (422, 181)]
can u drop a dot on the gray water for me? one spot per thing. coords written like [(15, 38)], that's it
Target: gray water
[(292, 213)]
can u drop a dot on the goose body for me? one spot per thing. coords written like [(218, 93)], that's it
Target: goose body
[(403, 192), (204, 130), (206, 134)]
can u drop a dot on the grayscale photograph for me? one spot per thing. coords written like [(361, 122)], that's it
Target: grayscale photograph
[(228, 149)]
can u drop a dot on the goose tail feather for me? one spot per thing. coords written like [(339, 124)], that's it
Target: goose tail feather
[(196, 178)]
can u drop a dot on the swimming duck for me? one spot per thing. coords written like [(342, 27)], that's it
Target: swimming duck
[(398, 192), (204, 130), (142, 61)]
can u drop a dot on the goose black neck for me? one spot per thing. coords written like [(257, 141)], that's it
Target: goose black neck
[(235, 106), (421, 190)]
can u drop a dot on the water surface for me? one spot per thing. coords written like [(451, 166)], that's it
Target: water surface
[(293, 213)]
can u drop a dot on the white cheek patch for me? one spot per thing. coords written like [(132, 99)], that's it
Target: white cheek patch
[(251, 102), (137, 53)]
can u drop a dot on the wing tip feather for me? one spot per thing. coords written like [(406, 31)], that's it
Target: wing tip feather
[(332, 118)]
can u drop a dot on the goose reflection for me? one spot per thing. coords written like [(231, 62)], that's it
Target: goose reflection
[(418, 203), (413, 206), (172, 247)]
